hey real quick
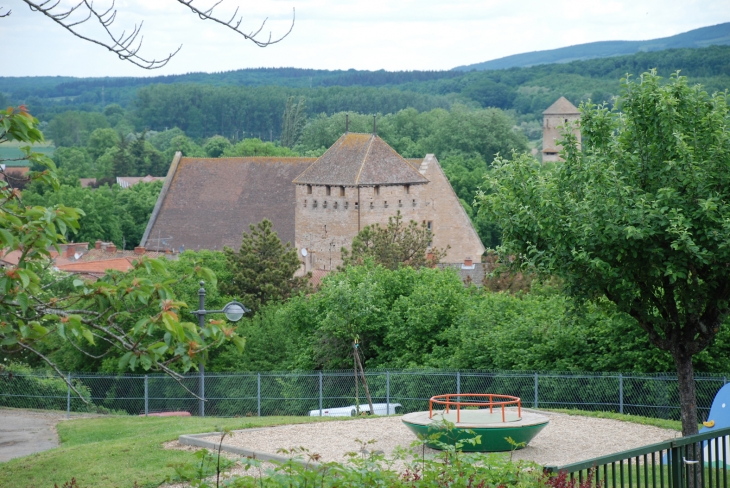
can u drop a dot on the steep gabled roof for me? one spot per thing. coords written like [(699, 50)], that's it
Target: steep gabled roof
[(208, 203), (360, 160), (562, 107)]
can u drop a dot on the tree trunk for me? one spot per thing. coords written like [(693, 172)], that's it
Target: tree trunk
[(365, 383), (687, 394)]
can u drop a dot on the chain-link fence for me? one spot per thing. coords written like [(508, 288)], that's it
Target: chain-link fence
[(298, 393)]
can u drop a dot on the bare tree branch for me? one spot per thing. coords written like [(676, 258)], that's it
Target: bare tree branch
[(235, 24), (124, 46), (127, 46)]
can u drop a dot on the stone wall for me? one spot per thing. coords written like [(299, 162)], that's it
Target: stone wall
[(551, 132), (328, 218)]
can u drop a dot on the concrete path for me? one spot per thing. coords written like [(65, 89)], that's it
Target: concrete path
[(24, 432)]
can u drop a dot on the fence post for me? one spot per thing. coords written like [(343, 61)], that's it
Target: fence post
[(258, 394), (620, 393), (201, 391), (68, 397), (724, 380), (387, 393), (320, 393), (458, 383), (535, 402), (146, 398)]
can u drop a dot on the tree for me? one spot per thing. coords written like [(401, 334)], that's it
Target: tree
[(216, 145), (129, 312), (295, 118), (126, 45), (263, 268), (638, 215), (393, 246)]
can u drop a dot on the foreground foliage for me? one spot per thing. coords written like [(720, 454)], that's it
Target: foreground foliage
[(639, 216), (128, 312)]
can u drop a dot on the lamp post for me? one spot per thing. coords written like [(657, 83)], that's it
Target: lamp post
[(233, 311)]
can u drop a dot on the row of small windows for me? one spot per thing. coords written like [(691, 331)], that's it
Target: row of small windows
[(328, 190), (347, 204)]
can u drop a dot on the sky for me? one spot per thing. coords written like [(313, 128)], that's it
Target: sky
[(340, 34)]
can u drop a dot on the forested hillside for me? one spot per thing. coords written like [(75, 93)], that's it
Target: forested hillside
[(705, 36), (253, 100)]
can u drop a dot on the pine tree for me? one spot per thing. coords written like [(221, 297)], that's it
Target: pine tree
[(263, 269)]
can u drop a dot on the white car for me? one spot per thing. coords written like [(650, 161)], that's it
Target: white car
[(351, 411)]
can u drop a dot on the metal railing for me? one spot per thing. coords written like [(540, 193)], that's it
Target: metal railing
[(694, 461), (298, 393)]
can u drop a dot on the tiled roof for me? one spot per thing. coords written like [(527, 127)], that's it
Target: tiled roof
[(98, 267), (208, 203), (562, 107), (360, 160), (415, 162)]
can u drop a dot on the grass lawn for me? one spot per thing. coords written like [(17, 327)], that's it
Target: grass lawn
[(117, 451)]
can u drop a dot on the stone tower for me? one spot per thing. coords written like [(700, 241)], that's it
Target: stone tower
[(555, 118), (360, 180)]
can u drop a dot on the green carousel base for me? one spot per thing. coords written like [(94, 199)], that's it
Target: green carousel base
[(493, 431)]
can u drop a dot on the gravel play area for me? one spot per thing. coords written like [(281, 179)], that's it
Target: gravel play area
[(566, 439)]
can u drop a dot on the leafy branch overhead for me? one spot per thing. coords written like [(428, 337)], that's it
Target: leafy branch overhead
[(134, 314), (394, 245), (127, 45)]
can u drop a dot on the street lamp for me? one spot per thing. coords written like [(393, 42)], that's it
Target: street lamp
[(233, 311)]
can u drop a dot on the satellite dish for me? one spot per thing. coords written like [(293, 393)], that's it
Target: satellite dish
[(77, 255), (304, 251)]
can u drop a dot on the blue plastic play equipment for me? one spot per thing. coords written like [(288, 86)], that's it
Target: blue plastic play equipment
[(719, 418)]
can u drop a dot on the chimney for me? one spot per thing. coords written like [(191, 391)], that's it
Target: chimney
[(97, 245), (111, 248), (70, 250), (468, 262), (139, 250), (375, 127), (347, 123)]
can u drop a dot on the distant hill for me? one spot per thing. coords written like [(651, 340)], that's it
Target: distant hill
[(705, 36)]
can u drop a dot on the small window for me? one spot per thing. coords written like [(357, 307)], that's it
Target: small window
[(314, 205), (327, 190), (414, 202), (305, 203), (357, 205), (309, 189), (371, 205), (377, 190), (400, 203), (347, 204), (430, 225), (324, 205), (407, 189), (566, 121), (335, 205), (342, 191), (386, 204)]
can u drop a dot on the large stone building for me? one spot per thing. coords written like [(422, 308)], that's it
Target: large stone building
[(318, 205), (555, 117)]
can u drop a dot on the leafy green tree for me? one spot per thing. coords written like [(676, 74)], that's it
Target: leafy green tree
[(263, 268), (186, 146), (393, 246), (256, 147), (74, 128), (295, 118), (100, 140), (74, 161), (216, 146), (128, 311), (637, 216)]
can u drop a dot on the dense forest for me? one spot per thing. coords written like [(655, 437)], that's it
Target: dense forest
[(255, 99)]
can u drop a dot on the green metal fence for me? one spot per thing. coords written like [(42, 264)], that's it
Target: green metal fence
[(686, 462)]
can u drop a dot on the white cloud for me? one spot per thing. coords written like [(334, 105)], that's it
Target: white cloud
[(343, 34)]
